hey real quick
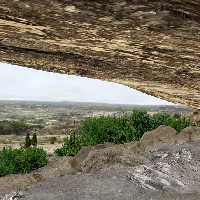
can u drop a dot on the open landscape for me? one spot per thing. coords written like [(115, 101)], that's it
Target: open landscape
[(58, 119), (125, 149), (140, 59)]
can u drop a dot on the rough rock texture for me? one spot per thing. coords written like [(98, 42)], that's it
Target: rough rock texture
[(150, 45), (170, 172), (159, 136), (196, 116)]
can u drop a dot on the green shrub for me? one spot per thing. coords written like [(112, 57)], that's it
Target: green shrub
[(142, 122), (34, 140), (107, 129), (176, 122), (53, 140), (13, 161), (27, 141), (71, 146), (118, 130)]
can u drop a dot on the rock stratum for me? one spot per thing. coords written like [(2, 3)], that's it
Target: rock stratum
[(149, 45)]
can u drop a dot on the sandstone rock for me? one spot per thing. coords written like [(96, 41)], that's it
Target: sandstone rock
[(196, 116), (170, 173), (103, 156), (79, 158), (78, 161), (162, 135), (188, 134), (152, 46)]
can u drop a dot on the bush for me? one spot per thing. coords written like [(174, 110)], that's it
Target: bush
[(142, 122), (53, 140), (15, 161), (71, 147), (107, 129), (118, 130), (27, 141), (34, 140), (176, 122)]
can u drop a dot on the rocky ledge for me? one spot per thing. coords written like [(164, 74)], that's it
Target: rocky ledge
[(150, 45)]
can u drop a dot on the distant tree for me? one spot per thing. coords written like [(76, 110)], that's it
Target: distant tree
[(177, 115), (53, 140), (34, 140), (27, 141)]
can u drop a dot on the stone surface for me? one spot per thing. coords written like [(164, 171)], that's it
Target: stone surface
[(153, 46), (167, 172), (196, 116), (161, 135), (188, 135)]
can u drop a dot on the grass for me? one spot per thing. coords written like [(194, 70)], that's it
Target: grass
[(14, 161), (118, 130)]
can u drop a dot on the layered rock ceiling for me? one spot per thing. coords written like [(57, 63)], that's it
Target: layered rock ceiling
[(150, 45)]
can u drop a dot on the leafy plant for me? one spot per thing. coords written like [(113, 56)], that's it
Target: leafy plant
[(118, 130), (22, 160), (53, 139), (177, 122), (71, 146), (34, 140), (27, 141), (107, 129)]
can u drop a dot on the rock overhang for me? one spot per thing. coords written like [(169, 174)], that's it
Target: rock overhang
[(152, 46)]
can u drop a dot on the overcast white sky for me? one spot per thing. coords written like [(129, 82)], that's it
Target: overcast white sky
[(19, 83)]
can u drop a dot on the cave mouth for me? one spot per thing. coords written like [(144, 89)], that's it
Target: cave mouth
[(21, 83)]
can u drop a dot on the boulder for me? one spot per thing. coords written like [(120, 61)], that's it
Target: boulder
[(196, 116), (151, 46), (105, 156), (85, 152), (188, 134), (161, 135)]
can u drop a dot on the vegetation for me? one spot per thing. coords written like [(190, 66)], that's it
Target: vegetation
[(8, 127), (27, 141), (13, 127), (21, 160), (34, 140), (118, 130), (53, 139), (71, 146), (177, 122)]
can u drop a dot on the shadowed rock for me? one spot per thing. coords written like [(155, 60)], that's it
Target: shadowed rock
[(152, 46), (161, 135), (196, 116), (188, 135)]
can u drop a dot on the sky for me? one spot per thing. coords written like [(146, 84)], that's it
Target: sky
[(20, 83)]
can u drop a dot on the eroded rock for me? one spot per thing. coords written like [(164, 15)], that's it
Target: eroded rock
[(161, 135), (188, 135), (152, 46)]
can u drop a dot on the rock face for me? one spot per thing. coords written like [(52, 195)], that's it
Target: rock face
[(161, 135), (153, 46), (196, 116), (188, 135), (169, 172)]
